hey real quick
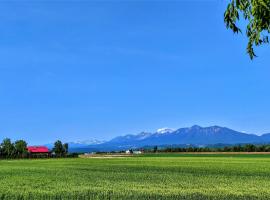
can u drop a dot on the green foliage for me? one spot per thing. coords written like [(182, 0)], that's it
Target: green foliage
[(60, 149), (257, 14), (170, 176), (18, 149), (237, 148), (13, 150), (7, 149), (21, 148)]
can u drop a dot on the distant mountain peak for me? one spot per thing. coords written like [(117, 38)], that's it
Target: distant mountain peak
[(88, 142), (195, 127), (165, 130), (194, 135), (143, 135), (217, 128)]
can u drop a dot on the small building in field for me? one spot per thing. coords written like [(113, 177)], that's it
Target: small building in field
[(129, 151), (38, 151), (137, 152), (133, 152)]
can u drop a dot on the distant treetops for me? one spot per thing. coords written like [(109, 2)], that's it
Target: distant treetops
[(19, 149)]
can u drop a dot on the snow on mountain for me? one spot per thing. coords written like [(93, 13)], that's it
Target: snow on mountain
[(88, 142), (195, 135), (143, 135), (164, 130), (84, 143), (80, 143)]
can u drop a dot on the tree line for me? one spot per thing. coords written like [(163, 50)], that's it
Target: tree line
[(235, 148), (18, 149)]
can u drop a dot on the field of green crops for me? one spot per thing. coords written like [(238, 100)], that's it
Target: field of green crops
[(143, 177)]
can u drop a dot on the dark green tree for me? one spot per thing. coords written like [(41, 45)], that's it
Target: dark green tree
[(155, 149), (7, 149), (58, 149), (250, 148), (257, 15), (21, 148)]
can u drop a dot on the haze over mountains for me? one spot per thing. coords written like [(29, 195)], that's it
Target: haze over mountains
[(195, 135)]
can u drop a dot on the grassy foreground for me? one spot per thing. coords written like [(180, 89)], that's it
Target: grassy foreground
[(143, 177)]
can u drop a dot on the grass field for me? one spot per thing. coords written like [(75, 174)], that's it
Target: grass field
[(166, 176)]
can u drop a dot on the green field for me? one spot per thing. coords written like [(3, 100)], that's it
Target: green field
[(170, 176)]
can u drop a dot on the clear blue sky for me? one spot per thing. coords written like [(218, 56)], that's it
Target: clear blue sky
[(74, 70)]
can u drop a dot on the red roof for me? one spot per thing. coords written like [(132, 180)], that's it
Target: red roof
[(37, 149)]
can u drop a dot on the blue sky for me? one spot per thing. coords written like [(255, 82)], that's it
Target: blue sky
[(76, 70)]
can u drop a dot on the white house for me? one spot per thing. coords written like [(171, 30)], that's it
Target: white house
[(128, 152), (133, 152), (137, 152)]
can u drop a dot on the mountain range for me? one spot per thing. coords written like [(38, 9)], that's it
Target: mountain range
[(195, 136)]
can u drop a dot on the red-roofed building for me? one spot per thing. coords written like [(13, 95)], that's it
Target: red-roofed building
[(38, 150)]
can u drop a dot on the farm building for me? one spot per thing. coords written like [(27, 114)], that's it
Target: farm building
[(128, 152), (137, 152), (38, 151), (133, 152)]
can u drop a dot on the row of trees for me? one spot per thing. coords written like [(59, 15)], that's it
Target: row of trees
[(236, 148), (18, 149)]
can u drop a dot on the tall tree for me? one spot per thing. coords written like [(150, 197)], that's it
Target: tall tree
[(21, 148), (257, 15), (155, 149), (8, 149), (58, 148)]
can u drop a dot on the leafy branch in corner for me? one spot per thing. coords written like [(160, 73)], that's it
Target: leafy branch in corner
[(257, 14)]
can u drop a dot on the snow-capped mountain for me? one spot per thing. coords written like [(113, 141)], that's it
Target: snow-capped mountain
[(80, 143), (84, 143), (88, 142), (164, 130), (195, 135)]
